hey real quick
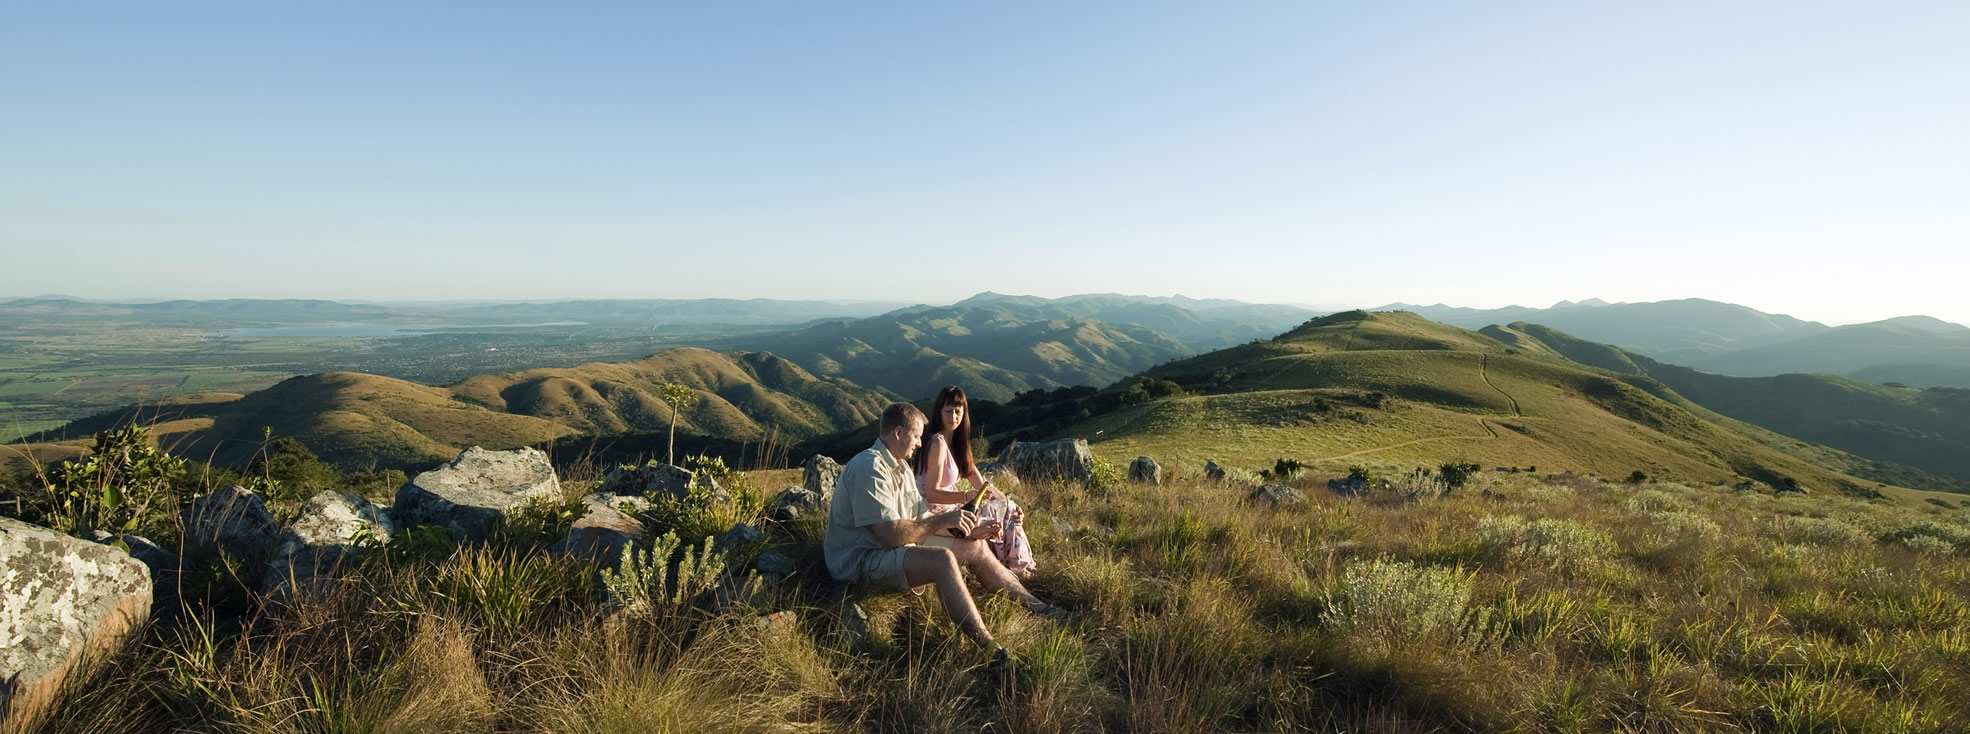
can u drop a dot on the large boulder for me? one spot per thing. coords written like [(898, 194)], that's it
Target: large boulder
[(608, 526), (234, 520), (819, 474), (1144, 470), (740, 536), (64, 604), (471, 494), (1212, 471), (332, 527), (1044, 461), (1347, 486), (657, 479)]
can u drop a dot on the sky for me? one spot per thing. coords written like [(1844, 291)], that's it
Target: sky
[(1806, 158)]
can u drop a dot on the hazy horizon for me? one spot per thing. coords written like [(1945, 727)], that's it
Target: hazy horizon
[(1800, 160)]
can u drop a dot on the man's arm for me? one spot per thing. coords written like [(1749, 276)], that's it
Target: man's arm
[(899, 533)]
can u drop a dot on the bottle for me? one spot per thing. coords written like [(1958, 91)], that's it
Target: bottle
[(971, 507)]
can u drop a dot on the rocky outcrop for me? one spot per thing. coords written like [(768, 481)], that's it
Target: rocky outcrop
[(607, 526), (1276, 495), (471, 494), (332, 528), (1144, 470), (233, 520), (162, 563), (64, 603), (656, 479), (1212, 471), (819, 474), (1347, 486), (1045, 461), (794, 503)]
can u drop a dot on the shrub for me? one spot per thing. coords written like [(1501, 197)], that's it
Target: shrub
[(1284, 470), (647, 584), (1555, 541), (1929, 535), (1386, 601), (1823, 531), (1686, 524), (1103, 476), (1360, 473), (1653, 500), (1458, 473), (125, 484)]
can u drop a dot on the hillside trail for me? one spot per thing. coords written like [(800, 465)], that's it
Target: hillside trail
[(1491, 434), (1484, 373)]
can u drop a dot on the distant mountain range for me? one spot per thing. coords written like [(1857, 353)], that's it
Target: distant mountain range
[(1730, 339), (257, 312), (998, 345)]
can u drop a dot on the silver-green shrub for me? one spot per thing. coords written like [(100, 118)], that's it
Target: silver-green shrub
[(1389, 600)]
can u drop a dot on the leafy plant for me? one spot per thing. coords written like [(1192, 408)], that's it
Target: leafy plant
[(679, 397), (1456, 474), (118, 487), (646, 582)]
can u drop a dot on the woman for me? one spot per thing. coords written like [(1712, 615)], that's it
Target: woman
[(946, 457)]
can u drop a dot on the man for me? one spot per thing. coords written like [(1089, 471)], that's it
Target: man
[(881, 533)]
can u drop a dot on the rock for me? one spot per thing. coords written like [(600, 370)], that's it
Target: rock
[(740, 536), (819, 474), (1063, 527), (161, 562), (233, 520), (333, 527), (601, 533), (1045, 461), (1347, 486), (772, 562), (780, 622), (1144, 470), (64, 603), (1212, 471), (472, 493), (656, 479), (794, 503), (1277, 495)]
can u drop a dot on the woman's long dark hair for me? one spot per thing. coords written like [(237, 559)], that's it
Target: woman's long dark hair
[(960, 438)]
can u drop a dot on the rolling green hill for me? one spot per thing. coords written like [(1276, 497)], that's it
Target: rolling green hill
[(358, 420), (1898, 429), (1397, 390)]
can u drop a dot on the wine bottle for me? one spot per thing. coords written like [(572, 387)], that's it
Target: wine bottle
[(971, 507)]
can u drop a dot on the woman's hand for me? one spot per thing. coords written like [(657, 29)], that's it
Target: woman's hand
[(985, 530)]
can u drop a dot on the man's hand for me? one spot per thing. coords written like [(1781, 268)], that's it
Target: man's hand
[(964, 522)]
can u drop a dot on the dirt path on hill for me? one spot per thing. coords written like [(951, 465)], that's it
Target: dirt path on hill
[(1484, 372), (1493, 435)]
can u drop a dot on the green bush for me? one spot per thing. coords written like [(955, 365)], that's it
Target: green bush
[(1390, 601), (1554, 541), (1456, 474), (125, 484), (1822, 531)]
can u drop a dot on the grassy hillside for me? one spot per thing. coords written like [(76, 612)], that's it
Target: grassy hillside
[(1896, 428), (361, 420), (1394, 390)]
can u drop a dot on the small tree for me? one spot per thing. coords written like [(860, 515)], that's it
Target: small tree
[(679, 397)]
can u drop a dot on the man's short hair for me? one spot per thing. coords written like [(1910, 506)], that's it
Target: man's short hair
[(899, 415)]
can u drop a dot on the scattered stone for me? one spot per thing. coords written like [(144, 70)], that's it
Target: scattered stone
[(233, 520), (1212, 471), (64, 602), (780, 622), (1789, 487), (602, 532), (1062, 526), (794, 503), (1347, 486), (161, 562), (1277, 495), (332, 527), (1044, 461), (1144, 470), (772, 562), (819, 474), (740, 536), (470, 495), (656, 479)]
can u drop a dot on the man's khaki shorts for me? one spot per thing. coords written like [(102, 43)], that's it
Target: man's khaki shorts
[(883, 569)]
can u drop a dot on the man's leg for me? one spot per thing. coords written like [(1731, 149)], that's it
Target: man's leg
[(991, 574), (931, 565)]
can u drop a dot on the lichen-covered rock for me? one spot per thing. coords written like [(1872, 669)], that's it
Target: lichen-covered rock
[(1044, 461), (63, 602), (1212, 471), (470, 494), (332, 528), (819, 474), (772, 562), (1276, 495), (656, 479), (234, 520), (794, 503), (161, 562), (741, 535), (602, 532), (1144, 470)]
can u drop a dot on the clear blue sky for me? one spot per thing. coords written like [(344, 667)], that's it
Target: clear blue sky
[(1797, 157)]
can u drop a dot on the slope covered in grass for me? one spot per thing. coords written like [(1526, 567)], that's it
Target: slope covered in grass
[(1397, 389)]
